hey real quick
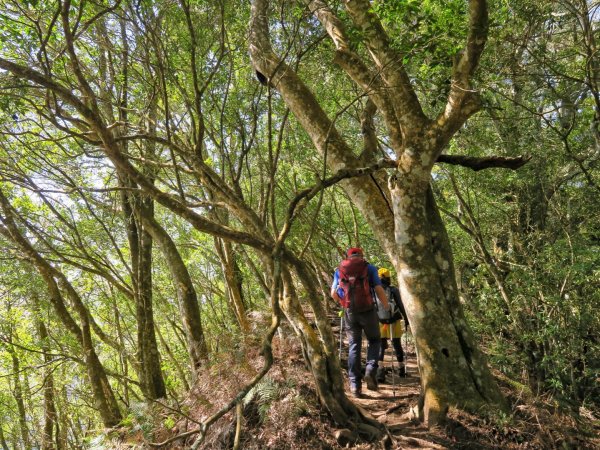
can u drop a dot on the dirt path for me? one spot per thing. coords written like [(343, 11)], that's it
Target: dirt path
[(392, 403), (533, 423)]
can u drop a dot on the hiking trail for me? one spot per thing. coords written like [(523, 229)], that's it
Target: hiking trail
[(391, 404)]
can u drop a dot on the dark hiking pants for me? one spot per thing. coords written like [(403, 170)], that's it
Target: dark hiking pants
[(356, 323), (397, 349)]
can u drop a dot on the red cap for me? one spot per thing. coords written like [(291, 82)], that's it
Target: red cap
[(353, 251)]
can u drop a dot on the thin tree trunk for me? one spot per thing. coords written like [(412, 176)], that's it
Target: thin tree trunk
[(186, 293), (122, 357), (150, 371), (48, 388), (140, 240), (174, 360), (18, 395), (140, 244), (63, 425), (233, 282), (515, 323)]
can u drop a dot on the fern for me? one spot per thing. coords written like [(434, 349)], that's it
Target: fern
[(142, 417), (268, 391)]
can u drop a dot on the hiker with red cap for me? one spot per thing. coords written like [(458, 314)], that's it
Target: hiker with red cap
[(355, 284)]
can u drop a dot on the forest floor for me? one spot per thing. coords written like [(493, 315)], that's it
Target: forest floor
[(283, 412)]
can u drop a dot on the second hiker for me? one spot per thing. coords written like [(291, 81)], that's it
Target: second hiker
[(390, 324)]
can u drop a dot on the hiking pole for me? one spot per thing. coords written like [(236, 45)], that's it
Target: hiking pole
[(393, 356), (341, 314), (405, 352)]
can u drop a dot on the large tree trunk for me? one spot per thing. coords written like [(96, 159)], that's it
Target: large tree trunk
[(453, 370)]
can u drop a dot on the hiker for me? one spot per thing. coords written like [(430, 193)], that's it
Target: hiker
[(390, 325), (355, 284)]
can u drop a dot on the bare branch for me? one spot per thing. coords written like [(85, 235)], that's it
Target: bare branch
[(486, 162)]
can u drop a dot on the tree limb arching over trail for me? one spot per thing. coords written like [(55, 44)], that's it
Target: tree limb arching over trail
[(454, 372)]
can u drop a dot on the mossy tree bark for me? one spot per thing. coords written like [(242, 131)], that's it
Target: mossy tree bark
[(186, 293)]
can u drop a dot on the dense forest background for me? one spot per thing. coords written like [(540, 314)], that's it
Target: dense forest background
[(160, 204)]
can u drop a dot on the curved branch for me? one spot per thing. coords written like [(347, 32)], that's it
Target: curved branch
[(471, 162), (295, 93), (463, 101), (303, 197), (408, 108)]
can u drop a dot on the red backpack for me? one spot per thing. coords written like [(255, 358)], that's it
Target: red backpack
[(354, 283)]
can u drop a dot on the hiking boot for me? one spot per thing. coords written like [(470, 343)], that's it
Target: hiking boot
[(371, 381), (355, 392), (380, 375), (402, 372)]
